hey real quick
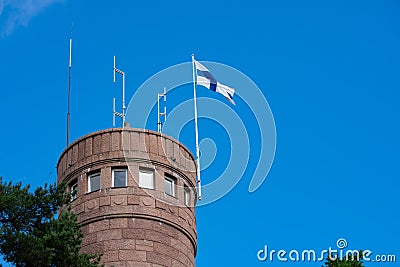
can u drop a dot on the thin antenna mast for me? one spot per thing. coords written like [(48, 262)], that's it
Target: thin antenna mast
[(69, 91), (159, 114), (115, 113)]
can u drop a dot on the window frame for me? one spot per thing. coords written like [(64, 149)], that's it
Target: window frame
[(187, 195), (119, 170), (172, 181), (90, 176), (146, 171), (74, 188)]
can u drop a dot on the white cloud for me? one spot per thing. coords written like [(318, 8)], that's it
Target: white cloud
[(15, 13)]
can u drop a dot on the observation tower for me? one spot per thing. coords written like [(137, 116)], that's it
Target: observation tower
[(134, 192)]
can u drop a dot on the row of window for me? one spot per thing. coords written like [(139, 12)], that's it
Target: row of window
[(120, 179)]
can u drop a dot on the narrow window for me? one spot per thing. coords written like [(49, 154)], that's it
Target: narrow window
[(170, 186), (186, 196), (146, 178), (94, 182), (119, 178), (74, 190)]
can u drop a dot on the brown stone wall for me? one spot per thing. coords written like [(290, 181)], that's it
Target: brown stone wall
[(130, 225), (138, 242)]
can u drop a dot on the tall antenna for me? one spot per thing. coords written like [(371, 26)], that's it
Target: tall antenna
[(115, 113), (69, 91), (159, 114)]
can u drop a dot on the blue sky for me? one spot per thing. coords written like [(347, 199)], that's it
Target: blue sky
[(329, 71)]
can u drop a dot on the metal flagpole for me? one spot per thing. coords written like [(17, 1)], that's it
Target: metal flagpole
[(196, 130), (69, 91)]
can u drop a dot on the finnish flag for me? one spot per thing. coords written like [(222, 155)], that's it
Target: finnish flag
[(204, 78)]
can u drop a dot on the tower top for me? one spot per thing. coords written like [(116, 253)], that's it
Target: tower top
[(134, 192)]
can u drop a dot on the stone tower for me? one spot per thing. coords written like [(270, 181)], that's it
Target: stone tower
[(134, 194)]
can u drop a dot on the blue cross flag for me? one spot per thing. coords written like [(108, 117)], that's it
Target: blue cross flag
[(204, 78)]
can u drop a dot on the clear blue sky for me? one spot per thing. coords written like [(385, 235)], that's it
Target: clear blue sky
[(330, 73)]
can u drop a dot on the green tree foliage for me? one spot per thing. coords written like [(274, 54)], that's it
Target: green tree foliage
[(31, 235), (345, 261)]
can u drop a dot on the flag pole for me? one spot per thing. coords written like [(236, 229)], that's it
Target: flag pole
[(197, 131), (69, 90)]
